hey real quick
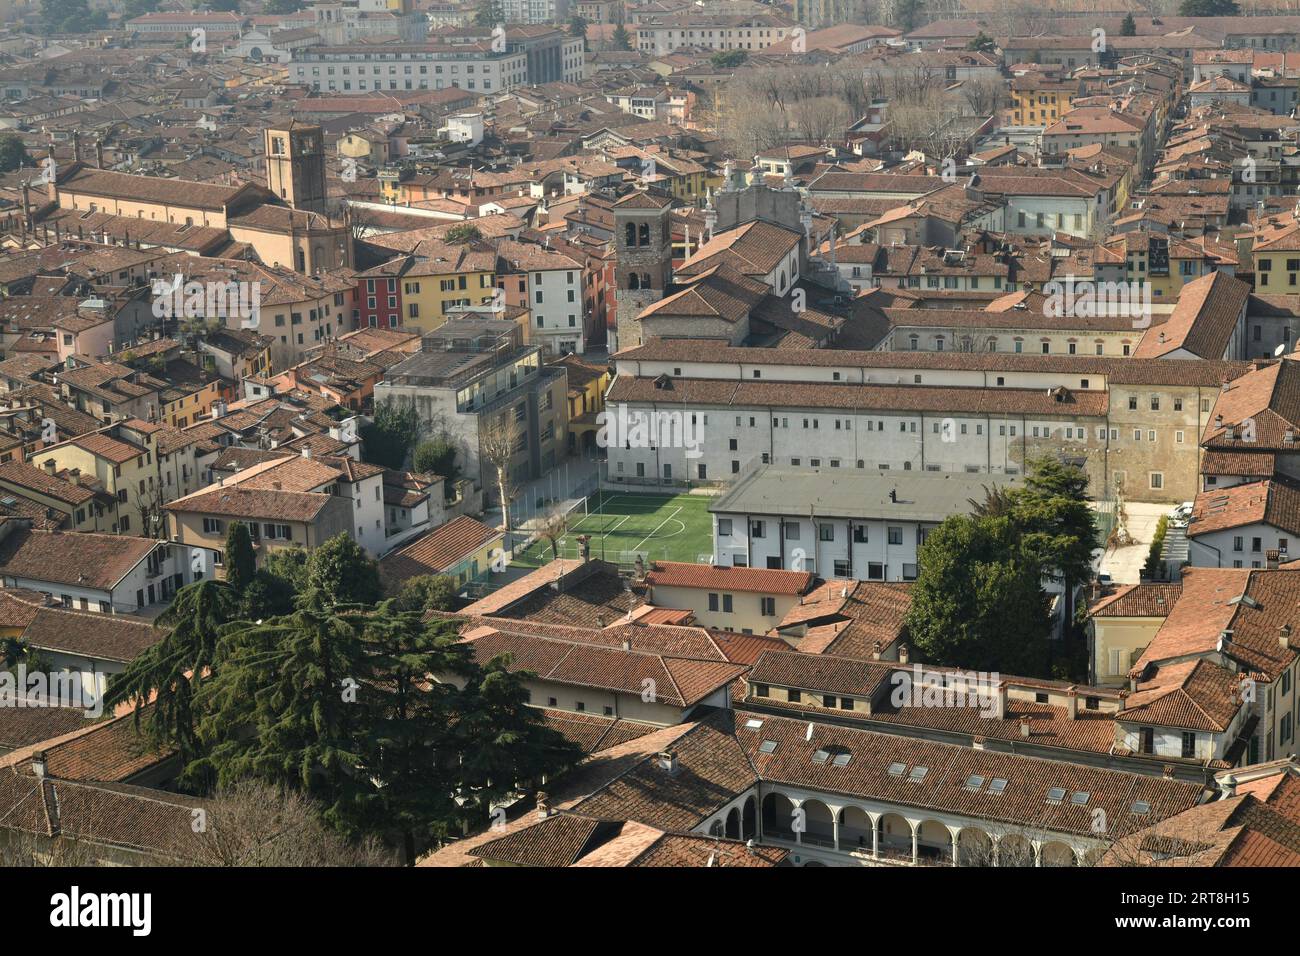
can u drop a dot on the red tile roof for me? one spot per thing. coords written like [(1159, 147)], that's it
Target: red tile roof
[(680, 574)]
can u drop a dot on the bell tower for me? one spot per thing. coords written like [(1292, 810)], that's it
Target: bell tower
[(643, 260), (295, 165)]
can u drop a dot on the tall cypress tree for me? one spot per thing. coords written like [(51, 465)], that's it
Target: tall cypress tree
[(241, 562)]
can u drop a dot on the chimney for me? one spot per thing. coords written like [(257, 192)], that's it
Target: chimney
[(75, 476), (1002, 701), (1024, 727), (306, 451), (99, 154), (668, 761), (543, 805), (1072, 703), (38, 764), (977, 743), (1228, 784), (1284, 636), (49, 466), (627, 643), (902, 653), (875, 651)]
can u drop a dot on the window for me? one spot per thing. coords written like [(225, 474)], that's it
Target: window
[(213, 526), (767, 606), (1189, 744), (726, 604), (826, 532), (895, 535), (713, 602)]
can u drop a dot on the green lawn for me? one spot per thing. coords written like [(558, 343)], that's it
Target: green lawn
[(622, 525)]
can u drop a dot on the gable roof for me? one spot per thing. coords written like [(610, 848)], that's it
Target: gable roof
[(439, 549)]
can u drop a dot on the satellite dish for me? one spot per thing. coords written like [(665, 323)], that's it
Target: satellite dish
[(1280, 349)]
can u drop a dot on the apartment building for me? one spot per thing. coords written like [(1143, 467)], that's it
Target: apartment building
[(738, 32), (474, 376), (840, 523), (549, 285), (105, 573), (1127, 424), (751, 600), (122, 460), (474, 67)]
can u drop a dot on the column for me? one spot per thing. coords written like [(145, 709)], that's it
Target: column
[(914, 841), (875, 839)]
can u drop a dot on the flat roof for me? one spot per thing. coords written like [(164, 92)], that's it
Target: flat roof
[(849, 493)]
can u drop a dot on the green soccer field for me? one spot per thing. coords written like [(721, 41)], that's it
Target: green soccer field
[(622, 525)]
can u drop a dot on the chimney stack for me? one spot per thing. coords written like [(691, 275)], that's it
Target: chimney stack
[(668, 761), (543, 805), (902, 654), (38, 764), (1024, 727), (49, 466), (1072, 703)]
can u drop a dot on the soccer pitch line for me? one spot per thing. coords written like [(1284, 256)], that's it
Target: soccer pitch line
[(577, 525), (657, 527), (608, 531)]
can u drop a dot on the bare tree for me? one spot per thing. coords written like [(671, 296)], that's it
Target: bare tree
[(23, 848), (496, 441), (256, 824), (552, 525), (985, 95), (148, 505)]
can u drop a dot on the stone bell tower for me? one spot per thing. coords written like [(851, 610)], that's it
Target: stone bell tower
[(643, 260)]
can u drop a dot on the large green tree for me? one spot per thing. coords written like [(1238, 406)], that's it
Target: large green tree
[(426, 592), (406, 743), (285, 707), (392, 434), (71, 16), (977, 602), (341, 573), (172, 671), (13, 154), (502, 742), (1208, 8), (437, 457), (290, 564)]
